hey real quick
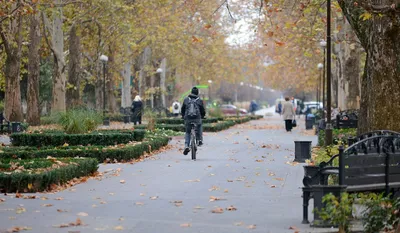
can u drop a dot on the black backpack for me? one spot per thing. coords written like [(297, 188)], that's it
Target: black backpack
[(176, 106), (193, 111)]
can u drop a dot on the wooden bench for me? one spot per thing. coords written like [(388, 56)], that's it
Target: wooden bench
[(370, 165), (4, 123)]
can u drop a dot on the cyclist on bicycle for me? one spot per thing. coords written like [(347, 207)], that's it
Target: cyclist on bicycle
[(192, 112)]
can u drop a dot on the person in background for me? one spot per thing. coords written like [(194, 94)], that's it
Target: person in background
[(137, 110), (176, 108), (288, 114), (253, 107), (280, 108)]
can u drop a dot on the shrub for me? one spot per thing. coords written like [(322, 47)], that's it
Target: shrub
[(339, 136), (338, 211), (215, 112), (150, 116), (119, 152), (58, 139), (39, 174), (79, 121), (381, 213)]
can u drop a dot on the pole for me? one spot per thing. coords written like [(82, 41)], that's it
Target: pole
[(104, 89), (328, 130), (323, 89)]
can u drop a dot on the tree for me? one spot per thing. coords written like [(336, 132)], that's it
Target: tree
[(11, 35), (33, 112), (377, 27)]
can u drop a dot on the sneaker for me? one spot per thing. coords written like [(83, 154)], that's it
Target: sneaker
[(200, 142), (186, 151)]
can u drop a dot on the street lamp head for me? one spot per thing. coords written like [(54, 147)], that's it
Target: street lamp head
[(159, 70), (103, 58), (322, 43), (209, 81), (320, 66)]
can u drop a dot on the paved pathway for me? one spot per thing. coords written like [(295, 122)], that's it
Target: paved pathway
[(248, 168)]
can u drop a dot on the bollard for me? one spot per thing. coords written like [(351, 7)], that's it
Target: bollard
[(106, 121), (127, 119), (302, 151), (16, 127)]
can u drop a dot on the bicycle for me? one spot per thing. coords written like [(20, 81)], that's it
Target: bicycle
[(193, 140)]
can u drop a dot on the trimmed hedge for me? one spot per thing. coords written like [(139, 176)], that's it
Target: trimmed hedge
[(177, 121), (41, 181), (119, 153), (58, 138)]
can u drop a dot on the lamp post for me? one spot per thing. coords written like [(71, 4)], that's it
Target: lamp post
[(320, 67), (209, 90), (328, 130), (323, 46), (104, 60)]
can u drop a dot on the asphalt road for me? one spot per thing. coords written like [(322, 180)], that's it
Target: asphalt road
[(248, 167)]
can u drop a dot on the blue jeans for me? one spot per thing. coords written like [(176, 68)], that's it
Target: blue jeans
[(199, 132)]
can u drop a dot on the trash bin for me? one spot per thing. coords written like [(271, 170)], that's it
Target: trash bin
[(310, 121), (302, 151), (127, 119), (106, 121), (16, 127)]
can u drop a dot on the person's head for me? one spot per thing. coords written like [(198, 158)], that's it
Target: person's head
[(287, 98), (195, 91), (292, 98), (137, 98)]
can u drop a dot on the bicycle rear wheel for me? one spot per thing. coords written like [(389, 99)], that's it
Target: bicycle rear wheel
[(193, 144)]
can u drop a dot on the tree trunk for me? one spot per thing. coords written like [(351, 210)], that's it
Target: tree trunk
[(33, 111), (163, 77), (73, 90), (58, 101), (126, 99), (110, 83), (379, 36), (13, 44)]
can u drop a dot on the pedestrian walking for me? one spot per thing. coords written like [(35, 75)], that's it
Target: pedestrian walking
[(280, 108), (288, 114), (176, 108), (137, 110)]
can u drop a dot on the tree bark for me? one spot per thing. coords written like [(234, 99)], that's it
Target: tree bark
[(163, 77), (110, 83), (33, 110), (58, 101), (379, 36), (12, 40), (73, 90), (126, 99)]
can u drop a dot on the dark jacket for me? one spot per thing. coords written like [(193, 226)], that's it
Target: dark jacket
[(137, 108), (199, 102)]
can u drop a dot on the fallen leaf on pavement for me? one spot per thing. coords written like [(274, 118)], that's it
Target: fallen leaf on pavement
[(103, 202), (259, 160), (280, 179), (44, 198), (198, 207), (217, 211), (83, 214), (30, 197), (271, 174), (153, 198), (18, 229), (214, 188), (121, 219), (273, 186), (18, 195), (186, 225), (177, 202), (226, 190), (251, 227), (2, 200), (197, 180), (141, 194), (212, 198), (231, 208), (47, 205), (238, 223), (59, 198), (119, 228), (139, 203), (60, 210), (122, 181), (230, 180)]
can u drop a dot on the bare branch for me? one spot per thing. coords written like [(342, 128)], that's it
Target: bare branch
[(220, 6), (229, 10)]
